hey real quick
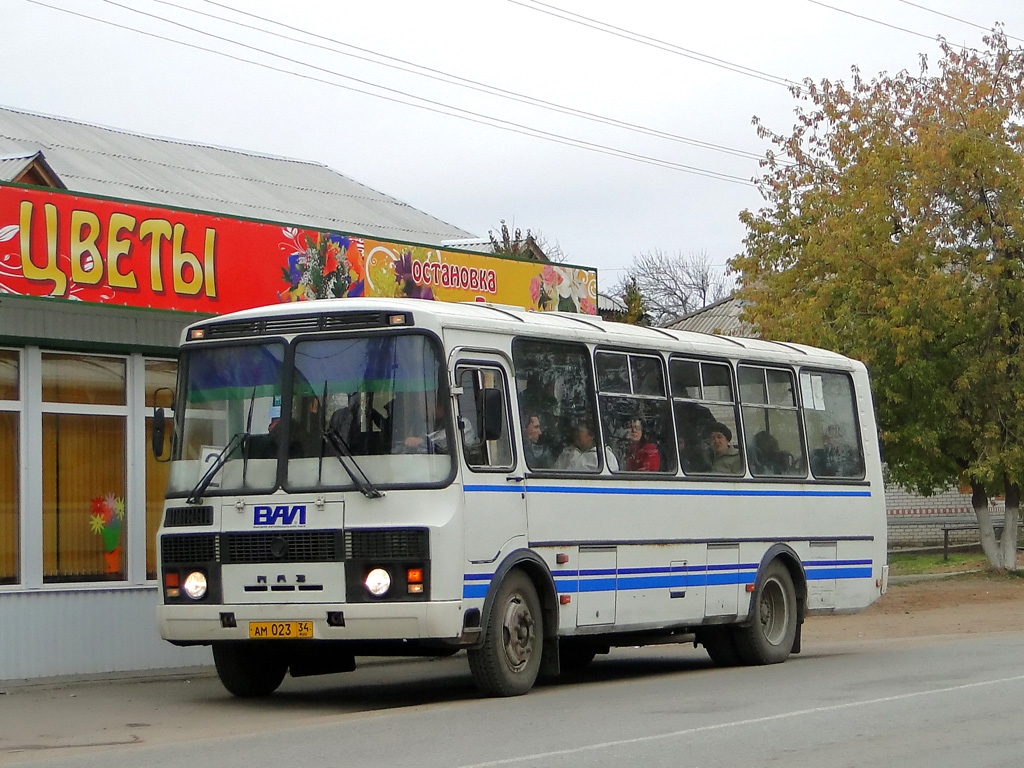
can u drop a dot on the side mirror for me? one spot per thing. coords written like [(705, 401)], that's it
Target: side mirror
[(493, 414), (159, 426)]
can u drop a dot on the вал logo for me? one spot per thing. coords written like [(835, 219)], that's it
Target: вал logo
[(279, 515)]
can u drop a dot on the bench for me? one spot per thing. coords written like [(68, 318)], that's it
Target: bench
[(962, 527)]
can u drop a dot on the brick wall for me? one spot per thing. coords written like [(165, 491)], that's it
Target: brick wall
[(918, 521)]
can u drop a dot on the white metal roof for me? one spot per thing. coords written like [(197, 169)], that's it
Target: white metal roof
[(722, 317), (114, 163), (556, 325)]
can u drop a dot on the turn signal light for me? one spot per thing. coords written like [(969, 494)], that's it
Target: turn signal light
[(171, 580), (565, 599), (414, 576), (750, 587)]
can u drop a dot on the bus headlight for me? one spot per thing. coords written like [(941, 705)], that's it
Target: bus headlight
[(195, 585), (378, 582)]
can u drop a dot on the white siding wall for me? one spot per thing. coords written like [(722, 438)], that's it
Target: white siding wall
[(74, 632)]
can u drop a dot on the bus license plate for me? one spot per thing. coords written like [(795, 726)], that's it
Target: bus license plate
[(280, 630)]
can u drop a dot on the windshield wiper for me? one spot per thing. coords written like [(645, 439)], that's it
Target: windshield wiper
[(341, 449), (222, 459), (248, 431)]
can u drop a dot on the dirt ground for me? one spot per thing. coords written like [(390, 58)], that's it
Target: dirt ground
[(961, 604)]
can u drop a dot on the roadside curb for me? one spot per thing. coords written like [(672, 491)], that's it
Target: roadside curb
[(912, 578)]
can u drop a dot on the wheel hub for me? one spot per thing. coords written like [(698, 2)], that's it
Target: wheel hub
[(517, 633), (773, 612)]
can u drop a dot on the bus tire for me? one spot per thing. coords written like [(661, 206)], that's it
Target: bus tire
[(720, 643), (768, 638), (249, 670), (508, 661)]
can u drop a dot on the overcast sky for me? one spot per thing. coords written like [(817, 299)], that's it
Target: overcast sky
[(289, 91)]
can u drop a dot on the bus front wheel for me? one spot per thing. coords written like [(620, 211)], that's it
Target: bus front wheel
[(248, 669), (508, 661), (768, 639)]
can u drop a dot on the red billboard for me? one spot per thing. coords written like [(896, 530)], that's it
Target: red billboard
[(67, 246)]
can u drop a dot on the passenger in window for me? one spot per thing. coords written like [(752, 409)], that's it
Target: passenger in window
[(837, 458), (642, 455), (538, 456), (766, 458), (725, 458), (435, 440), (267, 446), (581, 456), (692, 420)]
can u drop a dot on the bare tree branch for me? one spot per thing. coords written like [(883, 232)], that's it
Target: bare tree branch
[(673, 284)]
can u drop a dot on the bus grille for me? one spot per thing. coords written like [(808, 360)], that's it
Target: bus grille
[(189, 548), (282, 547), (295, 546), (396, 543), (179, 517)]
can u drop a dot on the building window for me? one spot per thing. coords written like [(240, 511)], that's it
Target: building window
[(10, 397), (84, 468)]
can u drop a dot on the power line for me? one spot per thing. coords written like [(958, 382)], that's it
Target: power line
[(451, 79), (428, 105), (933, 38), (653, 42), (955, 18)]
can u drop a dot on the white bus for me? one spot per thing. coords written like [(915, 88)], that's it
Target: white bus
[(372, 477)]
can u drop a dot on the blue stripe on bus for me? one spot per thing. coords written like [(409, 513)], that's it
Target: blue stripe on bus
[(819, 563), (816, 574), (619, 490), (661, 577)]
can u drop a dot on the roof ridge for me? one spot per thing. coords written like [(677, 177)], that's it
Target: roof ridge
[(155, 137), (239, 177), (238, 203)]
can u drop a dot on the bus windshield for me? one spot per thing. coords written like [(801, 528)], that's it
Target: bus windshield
[(369, 407)]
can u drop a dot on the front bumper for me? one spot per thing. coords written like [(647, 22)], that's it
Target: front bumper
[(201, 624)]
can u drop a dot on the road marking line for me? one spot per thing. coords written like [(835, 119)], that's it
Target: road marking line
[(739, 723)]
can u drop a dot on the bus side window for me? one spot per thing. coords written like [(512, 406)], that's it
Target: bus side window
[(636, 416), (555, 381), (771, 422), (833, 434), (484, 418), (705, 411)]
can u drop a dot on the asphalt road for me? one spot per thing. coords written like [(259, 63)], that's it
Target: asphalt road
[(923, 702)]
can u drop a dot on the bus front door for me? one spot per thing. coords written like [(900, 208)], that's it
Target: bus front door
[(495, 504)]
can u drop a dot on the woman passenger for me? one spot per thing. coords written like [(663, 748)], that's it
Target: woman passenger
[(641, 454)]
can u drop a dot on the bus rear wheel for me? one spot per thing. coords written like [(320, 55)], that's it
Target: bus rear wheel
[(720, 643), (769, 637), (249, 670), (508, 661)]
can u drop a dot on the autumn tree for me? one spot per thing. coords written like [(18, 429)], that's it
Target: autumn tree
[(893, 231), (635, 303), (673, 284), (510, 241)]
